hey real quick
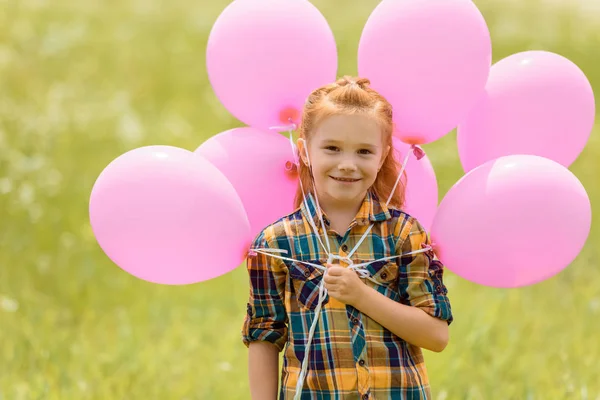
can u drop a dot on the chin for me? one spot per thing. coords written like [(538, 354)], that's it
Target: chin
[(346, 197)]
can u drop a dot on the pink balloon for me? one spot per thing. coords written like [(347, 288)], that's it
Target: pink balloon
[(430, 59), (537, 103), (422, 188), (166, 215), (512, 222), (258, 164), (264, 57)]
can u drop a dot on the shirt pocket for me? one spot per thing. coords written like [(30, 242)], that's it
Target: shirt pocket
[(306, 280)]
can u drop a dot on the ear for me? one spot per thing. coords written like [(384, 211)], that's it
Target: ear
[(303, 151)]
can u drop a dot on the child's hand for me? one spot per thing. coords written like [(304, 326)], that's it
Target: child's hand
[(343, 284)]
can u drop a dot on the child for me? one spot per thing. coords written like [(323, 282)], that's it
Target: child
[(347, 285)]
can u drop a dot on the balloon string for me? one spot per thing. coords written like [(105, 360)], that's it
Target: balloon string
[(418, 152), (359, 268)]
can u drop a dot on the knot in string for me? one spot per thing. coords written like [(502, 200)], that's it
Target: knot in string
[(346, 259), (363, 273)]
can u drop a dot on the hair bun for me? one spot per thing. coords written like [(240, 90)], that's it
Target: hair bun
[(363, 83)]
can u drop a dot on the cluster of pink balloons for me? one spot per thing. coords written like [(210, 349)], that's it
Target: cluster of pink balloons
[(173, 216), (519, 216)]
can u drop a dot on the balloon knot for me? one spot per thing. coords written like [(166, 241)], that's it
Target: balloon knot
[(291, 166), (418, 151), (289, 115)]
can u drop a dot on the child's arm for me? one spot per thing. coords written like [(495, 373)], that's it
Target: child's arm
[(425, 322), (265, 330), (409, 323), (263, 371)]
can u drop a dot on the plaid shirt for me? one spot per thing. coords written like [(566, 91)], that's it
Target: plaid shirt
[(351, 355)]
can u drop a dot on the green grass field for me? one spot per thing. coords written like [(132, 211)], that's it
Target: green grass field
[(83, 82)]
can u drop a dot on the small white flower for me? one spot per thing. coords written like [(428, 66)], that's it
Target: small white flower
[(8, 304), (225, 366)]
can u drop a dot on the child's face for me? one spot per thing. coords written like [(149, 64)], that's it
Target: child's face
[(345, 153)]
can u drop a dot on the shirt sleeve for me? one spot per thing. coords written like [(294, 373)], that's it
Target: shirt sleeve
[(266, 318), (421, 275)]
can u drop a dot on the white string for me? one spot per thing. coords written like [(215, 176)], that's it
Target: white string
[(319, 210), (387, 203), (326, 246), (360, 269), (320, 214), (311, 222), (363, 237)]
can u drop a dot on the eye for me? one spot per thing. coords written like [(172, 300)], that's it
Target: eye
[(365, 151), (332, 148)]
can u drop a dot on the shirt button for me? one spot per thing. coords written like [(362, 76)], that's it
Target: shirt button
[(365, 396), (344, 248), (307, 273), (362, 364), (383, 275), (355, 321)]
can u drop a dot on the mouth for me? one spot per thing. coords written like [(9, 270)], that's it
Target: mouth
[(345, 180)]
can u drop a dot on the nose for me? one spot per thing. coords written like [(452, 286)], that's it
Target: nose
[(347, 165)]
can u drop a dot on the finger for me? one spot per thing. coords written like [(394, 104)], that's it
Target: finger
[(333, 281), (331, 287), (335, 271)]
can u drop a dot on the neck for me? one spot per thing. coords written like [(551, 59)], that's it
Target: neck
[(340, 213)]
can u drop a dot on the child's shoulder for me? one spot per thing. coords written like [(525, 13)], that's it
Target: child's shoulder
[(404, 223), (398, 215), (279, 229)]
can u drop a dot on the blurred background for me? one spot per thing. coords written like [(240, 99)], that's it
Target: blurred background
[(83, 82)]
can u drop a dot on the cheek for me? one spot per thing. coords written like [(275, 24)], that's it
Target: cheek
[(319, 175), (371, 168), (321, 166)]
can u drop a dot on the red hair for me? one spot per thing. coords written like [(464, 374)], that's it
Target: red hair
[(353, 96)]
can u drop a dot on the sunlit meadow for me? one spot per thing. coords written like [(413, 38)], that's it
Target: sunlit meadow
[(81, 82)]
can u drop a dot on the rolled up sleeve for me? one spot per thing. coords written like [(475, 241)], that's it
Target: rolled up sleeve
[(266, 318), (421, 277)]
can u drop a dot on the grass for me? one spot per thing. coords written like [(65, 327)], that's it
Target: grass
[(83, 82)]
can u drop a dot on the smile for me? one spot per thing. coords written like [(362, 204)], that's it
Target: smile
[(346, 180)]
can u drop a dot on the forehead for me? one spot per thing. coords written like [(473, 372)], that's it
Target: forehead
[(354, 128)]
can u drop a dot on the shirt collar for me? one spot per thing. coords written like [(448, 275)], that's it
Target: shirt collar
[(371, 210)]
